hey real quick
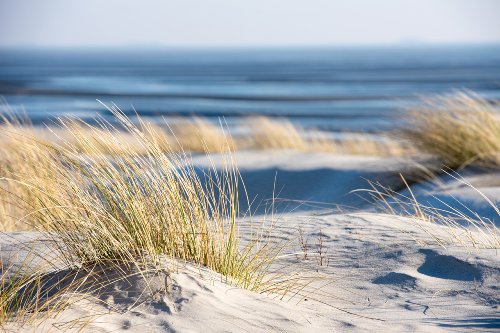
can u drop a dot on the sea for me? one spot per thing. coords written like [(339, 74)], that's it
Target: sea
[(342, 89)]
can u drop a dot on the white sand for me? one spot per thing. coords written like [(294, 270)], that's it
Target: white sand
[(316, 177), (376, 274)]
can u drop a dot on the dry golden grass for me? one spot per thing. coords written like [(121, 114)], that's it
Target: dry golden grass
[(460, 130), (33, 290), (18, 293), (199, 135), (132, 204), (266, 133), (104, 140), (456, 224), (271, 134), (22, 163), (23, 157), (383, 145)]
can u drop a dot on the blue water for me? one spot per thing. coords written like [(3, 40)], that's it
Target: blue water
[(350, 89)]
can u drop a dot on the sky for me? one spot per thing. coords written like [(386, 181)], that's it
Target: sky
[(241, 23)]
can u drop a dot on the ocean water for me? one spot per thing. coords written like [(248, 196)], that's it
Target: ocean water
[(336, 89)]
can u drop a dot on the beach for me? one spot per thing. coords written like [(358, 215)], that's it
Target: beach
[(373, 271), (278, 195)]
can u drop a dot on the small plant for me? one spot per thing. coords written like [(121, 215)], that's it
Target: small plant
[(320, 250), (322, 260), (303, 243)]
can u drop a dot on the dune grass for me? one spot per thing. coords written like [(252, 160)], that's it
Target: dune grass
[(266, 133), (201, 135), (22, 162), (25, 295), (33, 289), (131, 206), (455, 224), (459, 129), (12, 282)]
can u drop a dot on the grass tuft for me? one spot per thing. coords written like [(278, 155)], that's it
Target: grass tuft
[(132, 205), (459, 130)]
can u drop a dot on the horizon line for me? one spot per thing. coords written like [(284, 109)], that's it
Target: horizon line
[(172, 47)]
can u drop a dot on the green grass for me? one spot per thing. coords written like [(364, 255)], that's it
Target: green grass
[(24, 294)]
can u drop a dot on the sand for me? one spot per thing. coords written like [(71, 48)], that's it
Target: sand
[(374, 272)]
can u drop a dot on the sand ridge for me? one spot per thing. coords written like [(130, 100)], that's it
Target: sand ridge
[(376, 272)]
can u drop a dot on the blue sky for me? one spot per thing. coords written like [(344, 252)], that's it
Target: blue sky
[(234, 23)]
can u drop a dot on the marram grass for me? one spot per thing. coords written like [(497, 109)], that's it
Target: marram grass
[(133, 204), (460, 129), (200, 135)]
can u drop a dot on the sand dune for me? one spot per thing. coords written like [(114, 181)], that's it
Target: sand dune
[(375, 277), (372, 272), (304, 181)]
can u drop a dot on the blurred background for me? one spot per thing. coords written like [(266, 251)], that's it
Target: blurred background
[(340, 66)]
